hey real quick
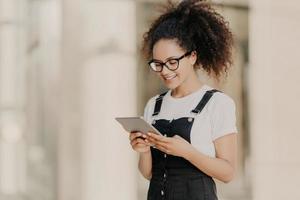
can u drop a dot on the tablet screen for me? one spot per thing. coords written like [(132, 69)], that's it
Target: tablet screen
[(133, 124)]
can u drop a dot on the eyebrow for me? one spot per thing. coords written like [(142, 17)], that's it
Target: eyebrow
[(169, 58)]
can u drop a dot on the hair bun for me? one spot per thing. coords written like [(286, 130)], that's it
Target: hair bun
[(187, 5), (188, 9)]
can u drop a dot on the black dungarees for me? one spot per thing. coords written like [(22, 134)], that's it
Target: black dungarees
[(173, 177)]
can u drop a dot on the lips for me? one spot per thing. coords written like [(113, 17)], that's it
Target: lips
[(169, 77)]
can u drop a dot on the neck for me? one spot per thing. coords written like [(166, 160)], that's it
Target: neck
[(190, 85)]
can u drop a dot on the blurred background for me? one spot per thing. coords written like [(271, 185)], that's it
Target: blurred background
[(68, 67)]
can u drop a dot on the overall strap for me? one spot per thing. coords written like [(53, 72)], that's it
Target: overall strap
[(158, 102), (208, 94)]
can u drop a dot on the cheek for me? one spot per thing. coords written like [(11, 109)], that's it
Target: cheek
[(185, 69)]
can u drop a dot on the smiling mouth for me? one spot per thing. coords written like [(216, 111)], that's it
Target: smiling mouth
[(169, 77)]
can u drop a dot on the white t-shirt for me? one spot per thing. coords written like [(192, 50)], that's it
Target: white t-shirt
[(215, 120)]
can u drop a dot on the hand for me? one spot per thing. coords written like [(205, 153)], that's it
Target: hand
[(176, 145), (138, 144)]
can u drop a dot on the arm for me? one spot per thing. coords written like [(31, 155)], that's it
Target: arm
[(142, 146), (145, 164), (222, 167)]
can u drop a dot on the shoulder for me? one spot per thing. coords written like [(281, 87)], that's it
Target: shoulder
[(222, 115), (151, 101), (222, 98), (221, 102), (149, 107)]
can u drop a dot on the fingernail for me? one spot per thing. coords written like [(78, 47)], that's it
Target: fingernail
[(149, 133)]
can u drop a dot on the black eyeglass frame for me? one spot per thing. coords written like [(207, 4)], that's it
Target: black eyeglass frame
[(165, 63)]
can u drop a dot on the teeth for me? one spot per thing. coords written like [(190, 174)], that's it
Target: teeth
[(170, 77)]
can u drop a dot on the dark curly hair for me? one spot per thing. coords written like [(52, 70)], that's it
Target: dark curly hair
[(196, 26)]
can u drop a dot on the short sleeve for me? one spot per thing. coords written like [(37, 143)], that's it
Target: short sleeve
[(223, 118), (148, 110)]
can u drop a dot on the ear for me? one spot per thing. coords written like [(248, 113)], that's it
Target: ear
[(193, 57)]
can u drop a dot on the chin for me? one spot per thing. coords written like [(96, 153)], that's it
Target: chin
[(171, 86)]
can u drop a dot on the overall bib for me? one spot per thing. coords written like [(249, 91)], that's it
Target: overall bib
[(173, 177)]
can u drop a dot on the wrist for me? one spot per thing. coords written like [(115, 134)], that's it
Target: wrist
[(189, 153), (145, 153)]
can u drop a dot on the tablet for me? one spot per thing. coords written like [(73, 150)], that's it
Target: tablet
[(132, 124)]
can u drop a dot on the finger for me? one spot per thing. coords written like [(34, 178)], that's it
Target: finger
[(162, 144), (145, 136), (163, 149), (157, 142), (142, 141), (149, 143), (138, 146), (134, 135), (152, 140), (138, 143), (158, 137), (133, 142), (137, 140)]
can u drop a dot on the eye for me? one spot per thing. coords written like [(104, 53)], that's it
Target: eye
[(157, 64), (172, 62)]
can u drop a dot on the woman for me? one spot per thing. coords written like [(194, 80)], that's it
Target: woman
[(197, 121)]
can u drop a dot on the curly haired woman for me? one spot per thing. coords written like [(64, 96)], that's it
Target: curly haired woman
[(198, 122)]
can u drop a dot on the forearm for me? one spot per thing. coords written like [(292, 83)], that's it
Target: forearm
[(214, 167), (145, 164)]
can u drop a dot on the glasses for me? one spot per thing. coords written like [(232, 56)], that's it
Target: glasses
[(172, 63)]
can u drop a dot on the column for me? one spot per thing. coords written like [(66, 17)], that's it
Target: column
[(12, 85), (274, 98), (98, 84), (109, 90)]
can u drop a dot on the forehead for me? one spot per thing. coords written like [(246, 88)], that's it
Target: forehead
[(166, 48)]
